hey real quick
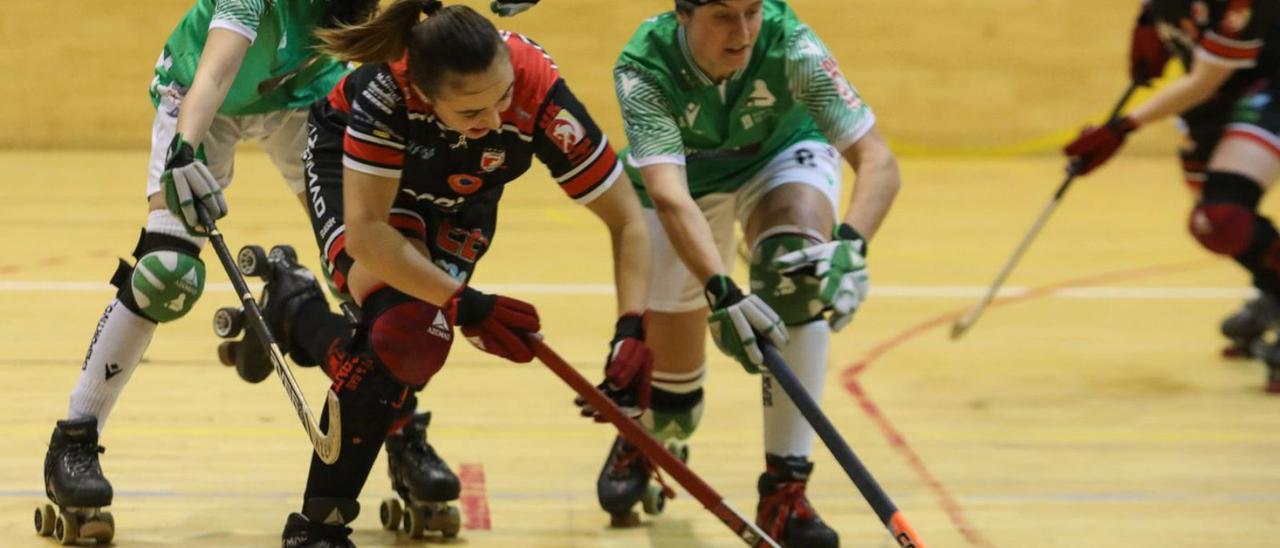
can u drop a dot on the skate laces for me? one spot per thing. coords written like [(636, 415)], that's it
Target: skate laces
[(81, 457), (787, 502)]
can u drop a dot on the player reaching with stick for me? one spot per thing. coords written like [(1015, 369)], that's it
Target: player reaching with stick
[(1227, 106), (736, 112), (232, 71)]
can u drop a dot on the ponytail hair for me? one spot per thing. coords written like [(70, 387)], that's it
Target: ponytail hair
[(348, 12), (452, 40)]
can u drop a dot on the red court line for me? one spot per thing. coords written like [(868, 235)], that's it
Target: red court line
[(474, 500), (849, 376)]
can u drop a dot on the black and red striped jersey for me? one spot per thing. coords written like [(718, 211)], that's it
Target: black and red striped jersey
[(1241, 34), (391, 133)]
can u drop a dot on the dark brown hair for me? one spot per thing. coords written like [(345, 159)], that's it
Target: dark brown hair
[(452, 40)]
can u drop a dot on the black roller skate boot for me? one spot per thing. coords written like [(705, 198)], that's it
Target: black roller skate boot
[(784, 511), (74, 482), (1272, 359), (1247, 328), (322, 524), (289, 286), (424, 483), (629, 477)]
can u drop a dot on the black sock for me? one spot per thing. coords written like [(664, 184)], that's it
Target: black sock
[(1262, 257), (314, 331)]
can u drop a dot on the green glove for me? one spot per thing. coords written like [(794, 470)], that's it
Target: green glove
[(841, 265), (187, 181), (737, 320)]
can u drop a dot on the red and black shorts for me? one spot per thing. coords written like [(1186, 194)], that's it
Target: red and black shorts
[(1255, 115)]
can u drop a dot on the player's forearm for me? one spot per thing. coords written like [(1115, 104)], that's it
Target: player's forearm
[(690, 235), (877, 184), (219, 63), (388, 255), (1183, 94), (631, 264)]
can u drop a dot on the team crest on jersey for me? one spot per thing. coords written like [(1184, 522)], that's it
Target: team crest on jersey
[(492, 159), (1200, 13), (565, 131), (760, 96), (1237, 18)]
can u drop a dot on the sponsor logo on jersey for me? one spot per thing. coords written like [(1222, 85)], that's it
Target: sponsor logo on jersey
[(565, 131), (1237, 18), (691, 114), (760, 96), (440, 327), (845, 90), (492, 159), (446, 203), (465, 184)]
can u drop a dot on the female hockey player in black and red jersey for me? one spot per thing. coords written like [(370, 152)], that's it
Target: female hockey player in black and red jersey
[(406, 162), (1231, 50)]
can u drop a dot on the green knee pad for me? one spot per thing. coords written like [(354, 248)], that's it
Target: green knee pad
[(794, 298), (166, 283), (667, 426)]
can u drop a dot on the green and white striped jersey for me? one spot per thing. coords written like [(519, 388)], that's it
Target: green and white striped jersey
[(792, 90), (280, 71)]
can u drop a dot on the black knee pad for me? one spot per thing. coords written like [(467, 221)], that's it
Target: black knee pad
[(409, 338), (166, 281)]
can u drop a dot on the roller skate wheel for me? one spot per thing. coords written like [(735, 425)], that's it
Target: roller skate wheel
[(252, 261), (629, 519), (101, 528), (390, 513), (283, 253), (447, 520), (415, 521), (66, 529), (228, 322), (45, 517), (680, 450), (653, 502), (227, 352)]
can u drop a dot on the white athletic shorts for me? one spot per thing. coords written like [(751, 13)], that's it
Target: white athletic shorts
[(672, 288), (283, 134)]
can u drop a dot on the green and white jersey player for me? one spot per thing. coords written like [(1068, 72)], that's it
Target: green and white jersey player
[(231, 71), (736, 111)]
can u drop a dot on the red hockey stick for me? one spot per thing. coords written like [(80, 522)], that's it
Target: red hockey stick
[(652, 448)]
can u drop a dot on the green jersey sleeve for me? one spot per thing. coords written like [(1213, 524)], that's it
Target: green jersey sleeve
[(815, 81), (647, 118), (239, 16)]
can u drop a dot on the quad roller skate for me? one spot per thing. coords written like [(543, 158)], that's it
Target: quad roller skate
[(288, 285), (1247, 328), (424, 483), (784, 511), (629, 477), (321, 524), (74, 482), (1272, 359)]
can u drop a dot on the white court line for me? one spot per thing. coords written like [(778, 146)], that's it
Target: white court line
[(877, 291)]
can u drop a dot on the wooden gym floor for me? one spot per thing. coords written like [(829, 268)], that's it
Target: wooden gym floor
[(1092, 411)]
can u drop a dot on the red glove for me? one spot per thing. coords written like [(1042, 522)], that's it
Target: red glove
[(627, 370), (1147, 54), (493, 323), (1096, 144)]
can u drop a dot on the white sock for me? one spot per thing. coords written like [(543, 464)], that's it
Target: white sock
[(786, 432), (114, 352)]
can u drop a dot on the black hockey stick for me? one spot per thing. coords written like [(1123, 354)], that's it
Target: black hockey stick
[(963, 323), (327, 445), (631, 430), (884, 508)]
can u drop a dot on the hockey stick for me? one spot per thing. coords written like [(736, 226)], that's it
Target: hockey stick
[(965, 322), (327, 445), (748, 531), (884, 508)]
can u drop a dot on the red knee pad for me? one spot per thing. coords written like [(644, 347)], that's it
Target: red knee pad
[(1223, 228), (412, 340)]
